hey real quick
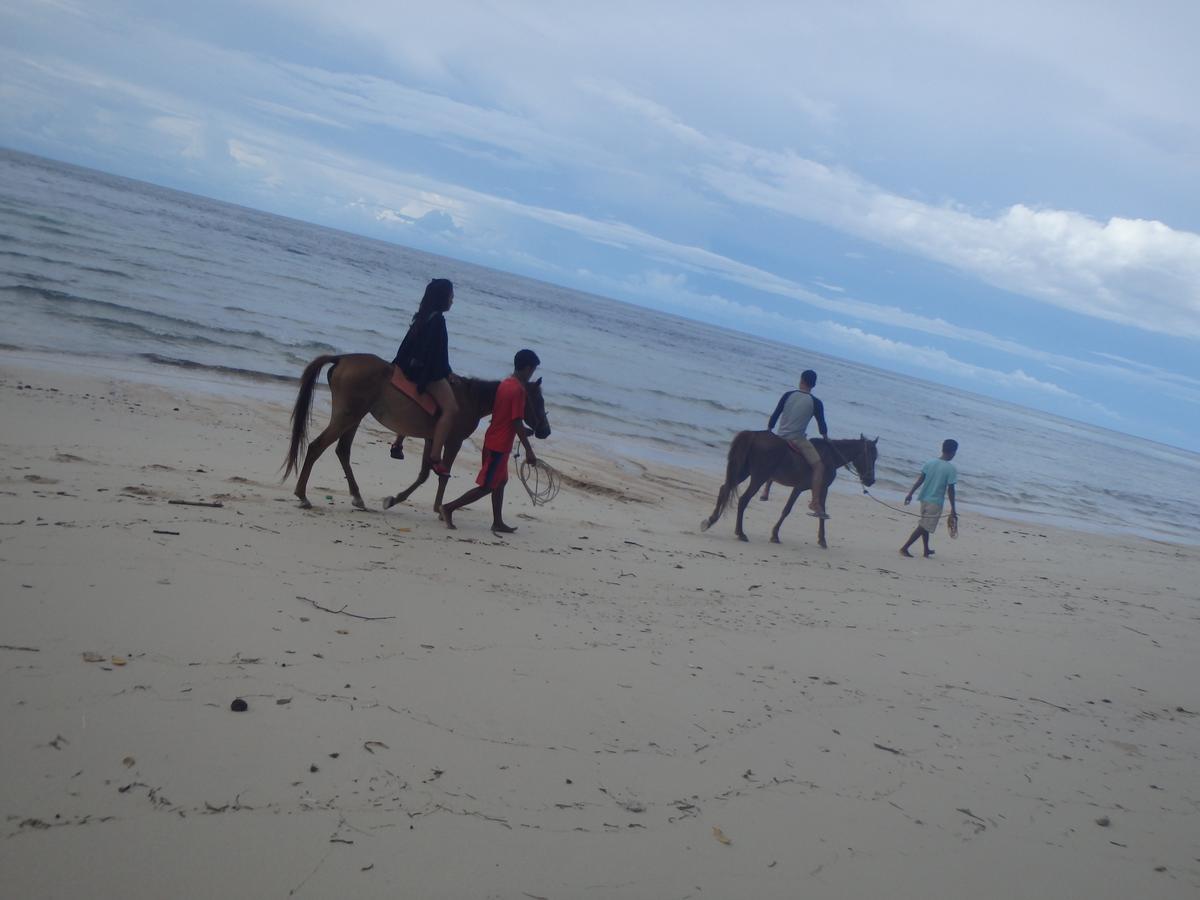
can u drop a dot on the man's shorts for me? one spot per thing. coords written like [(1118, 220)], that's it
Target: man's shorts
[(494, 472), (931, 513), (804, 447)]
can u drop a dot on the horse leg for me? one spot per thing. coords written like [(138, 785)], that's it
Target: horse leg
[(449, 454), (389, 502), (824, 493), (345, 442), (756, 481), (787, 509), (334, 430)]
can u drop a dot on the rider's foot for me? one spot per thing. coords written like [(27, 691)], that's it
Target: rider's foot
[(440, 469), (398, 450), (818, 514)]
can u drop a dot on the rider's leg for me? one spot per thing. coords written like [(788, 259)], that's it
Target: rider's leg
[(444, 395), (817, 493)]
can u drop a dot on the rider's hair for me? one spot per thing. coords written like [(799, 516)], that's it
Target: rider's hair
[(525, 359), (437, 299), (949, 446), (808, 377)]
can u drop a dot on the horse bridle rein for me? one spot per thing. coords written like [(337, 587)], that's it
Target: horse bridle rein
[(850, 464)]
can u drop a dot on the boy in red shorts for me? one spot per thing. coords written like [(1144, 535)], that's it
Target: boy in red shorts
[(507, 414)]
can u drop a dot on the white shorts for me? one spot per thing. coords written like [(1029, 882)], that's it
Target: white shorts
[(931, 513)]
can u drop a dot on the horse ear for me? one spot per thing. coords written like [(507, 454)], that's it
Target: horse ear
[(538, 382), (876, 441)]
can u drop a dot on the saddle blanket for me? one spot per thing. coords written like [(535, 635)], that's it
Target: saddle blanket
[(406, 387)]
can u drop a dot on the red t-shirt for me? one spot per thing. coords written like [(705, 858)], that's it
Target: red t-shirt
[(507, 411)]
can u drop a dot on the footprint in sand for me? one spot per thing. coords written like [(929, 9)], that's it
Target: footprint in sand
[(69, 458), (40, 479)]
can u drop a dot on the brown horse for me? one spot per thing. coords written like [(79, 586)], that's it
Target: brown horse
[(763, 456), (361, 383)]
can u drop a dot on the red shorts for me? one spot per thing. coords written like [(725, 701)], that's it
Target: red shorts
[(494, 472)]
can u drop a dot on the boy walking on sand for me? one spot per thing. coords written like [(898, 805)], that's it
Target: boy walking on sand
[(938, 477), (506, 426)]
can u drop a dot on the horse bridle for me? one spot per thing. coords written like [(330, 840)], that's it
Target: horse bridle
[(850, 464)]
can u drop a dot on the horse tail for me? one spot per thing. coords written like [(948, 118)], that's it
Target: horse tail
[(302, 410), (737, 469)]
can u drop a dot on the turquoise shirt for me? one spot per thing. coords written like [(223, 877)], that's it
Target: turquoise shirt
[(939, 473)]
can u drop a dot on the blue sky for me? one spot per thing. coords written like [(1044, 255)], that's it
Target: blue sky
[(1000, 197)]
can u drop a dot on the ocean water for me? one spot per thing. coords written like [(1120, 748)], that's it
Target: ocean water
[(96, 265)]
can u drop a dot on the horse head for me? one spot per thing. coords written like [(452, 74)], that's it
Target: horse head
[(864, 460), (535, 410)]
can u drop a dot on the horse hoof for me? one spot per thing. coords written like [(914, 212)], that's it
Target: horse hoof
[(304, 504), (822, 545), (705, 524), (775, 539), (389, 502), (358, 504), (743, 538)]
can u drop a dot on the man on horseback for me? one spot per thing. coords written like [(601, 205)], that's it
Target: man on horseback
[(792, 415)]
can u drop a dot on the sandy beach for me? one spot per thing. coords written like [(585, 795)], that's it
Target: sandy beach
[(608, 703)]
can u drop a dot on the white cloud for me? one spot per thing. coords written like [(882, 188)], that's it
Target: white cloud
[(857, 343), (244, 155), (188, 132)]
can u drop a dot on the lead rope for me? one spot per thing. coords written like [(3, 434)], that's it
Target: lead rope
[(545, 481)]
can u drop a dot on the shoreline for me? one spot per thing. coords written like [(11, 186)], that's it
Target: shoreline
[(234, 383), (607, 703)]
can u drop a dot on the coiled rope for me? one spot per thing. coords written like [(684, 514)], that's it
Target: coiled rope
[(541, 482)]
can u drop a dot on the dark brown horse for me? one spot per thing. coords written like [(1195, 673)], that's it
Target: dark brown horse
[(763, 456), (360, 383)]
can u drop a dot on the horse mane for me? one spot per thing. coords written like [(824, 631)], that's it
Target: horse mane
[(481, 392)]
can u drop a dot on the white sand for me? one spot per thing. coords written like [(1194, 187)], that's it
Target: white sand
[(570, 712)]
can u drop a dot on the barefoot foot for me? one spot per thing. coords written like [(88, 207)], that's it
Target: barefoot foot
[(904, 552), (501, 528)]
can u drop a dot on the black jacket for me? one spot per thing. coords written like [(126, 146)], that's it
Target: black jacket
[(424, 354)]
